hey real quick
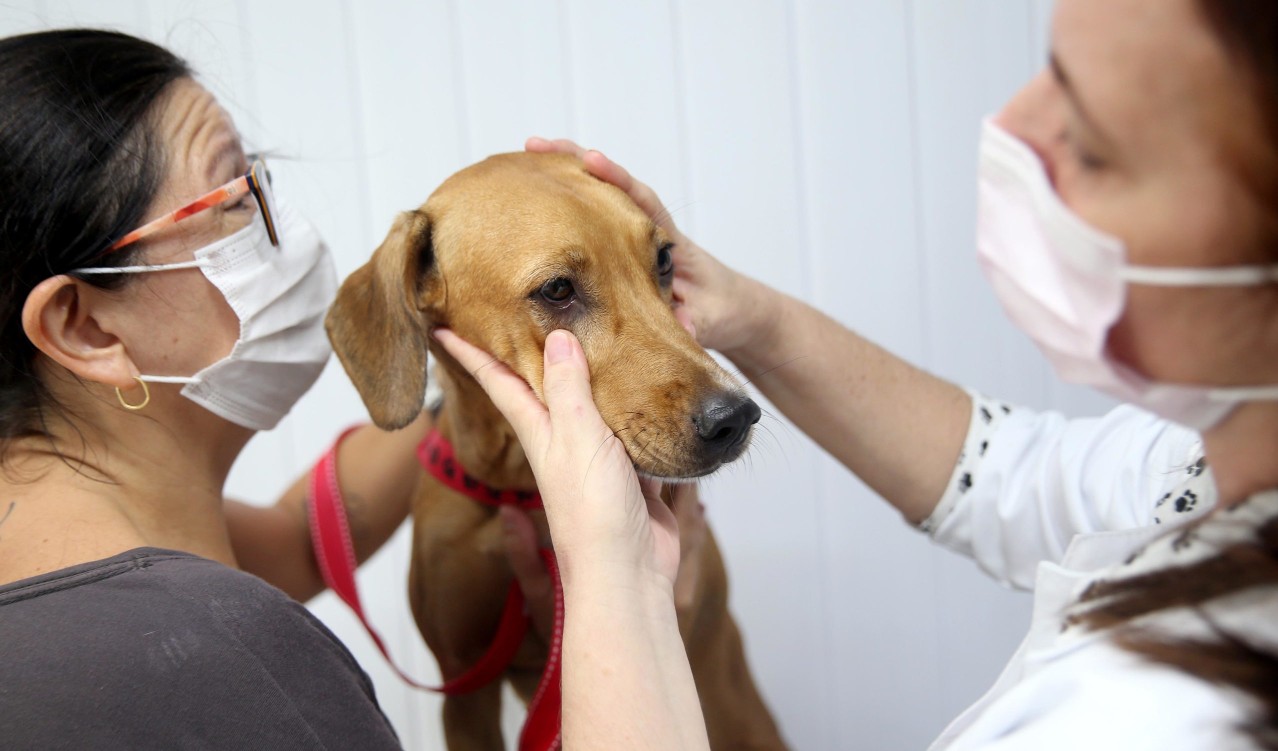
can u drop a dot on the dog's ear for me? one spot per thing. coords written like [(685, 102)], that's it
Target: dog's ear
[(377, 326)]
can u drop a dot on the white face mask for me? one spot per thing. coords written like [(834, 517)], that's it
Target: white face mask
[(1064, 283), (280, 296)]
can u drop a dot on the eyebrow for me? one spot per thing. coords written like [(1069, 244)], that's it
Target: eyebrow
[(1067, 84)]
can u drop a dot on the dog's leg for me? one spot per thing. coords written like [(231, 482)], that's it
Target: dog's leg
[(736, 717), (472, 722), (525, 682), (457, 592)]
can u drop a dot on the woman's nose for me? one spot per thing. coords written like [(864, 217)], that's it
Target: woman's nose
[(1036, 116)]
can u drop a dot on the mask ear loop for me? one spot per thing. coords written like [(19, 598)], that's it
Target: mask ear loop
[(146, 396)]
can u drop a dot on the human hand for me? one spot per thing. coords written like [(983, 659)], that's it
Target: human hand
[(691, 515), (714, 300), (604, 521), (519, 537)]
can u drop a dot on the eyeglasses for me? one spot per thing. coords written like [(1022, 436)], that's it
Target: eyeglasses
[(256, 181)]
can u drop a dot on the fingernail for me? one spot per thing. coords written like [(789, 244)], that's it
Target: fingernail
[(558, 347)]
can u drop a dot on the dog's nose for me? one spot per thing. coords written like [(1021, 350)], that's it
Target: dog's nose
[(725, 420)]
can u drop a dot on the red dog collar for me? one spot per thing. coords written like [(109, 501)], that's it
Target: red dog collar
[(438, 458)]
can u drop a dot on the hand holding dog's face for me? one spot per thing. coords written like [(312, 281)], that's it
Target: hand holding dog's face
[(513, 248), (599, 511)]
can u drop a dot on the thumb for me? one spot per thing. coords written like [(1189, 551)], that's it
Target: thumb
[(566, 381)]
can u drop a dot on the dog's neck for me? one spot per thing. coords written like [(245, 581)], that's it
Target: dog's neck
[(483, 441)]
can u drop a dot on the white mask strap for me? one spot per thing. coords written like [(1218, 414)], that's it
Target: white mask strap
[(1244, 394), (1224, 276), (168, 379), (141, 269)]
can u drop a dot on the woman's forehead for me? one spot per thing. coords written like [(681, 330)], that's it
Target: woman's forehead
[(201, 141), (1152, 71)]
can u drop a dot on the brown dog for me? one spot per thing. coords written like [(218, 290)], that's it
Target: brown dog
[(503, 253)]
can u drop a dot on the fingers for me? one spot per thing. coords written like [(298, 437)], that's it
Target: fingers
[(610, 172), (508, 391), (565, 383), (520, 540), (560, 145)]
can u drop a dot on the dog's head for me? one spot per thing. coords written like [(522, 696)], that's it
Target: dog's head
[(512, 248)]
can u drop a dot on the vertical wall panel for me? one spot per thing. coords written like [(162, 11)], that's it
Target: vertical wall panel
[(413, 123), (742, 143), (626, 90), (860, 208), (511, 57), (19, 17), (124, 15), (969, 59)]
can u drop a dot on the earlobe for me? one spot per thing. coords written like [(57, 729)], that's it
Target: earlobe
[(58, 318)]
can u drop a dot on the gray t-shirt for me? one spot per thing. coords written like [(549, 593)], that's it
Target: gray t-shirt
[(157, 649)]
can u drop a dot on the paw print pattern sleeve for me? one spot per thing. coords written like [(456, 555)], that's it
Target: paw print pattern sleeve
[(987, 416), (1027, 483)]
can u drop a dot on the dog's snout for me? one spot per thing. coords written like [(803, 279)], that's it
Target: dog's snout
[(724, 421)]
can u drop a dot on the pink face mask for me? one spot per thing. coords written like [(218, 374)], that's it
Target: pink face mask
[(1064, 283)]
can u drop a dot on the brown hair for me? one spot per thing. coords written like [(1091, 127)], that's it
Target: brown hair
[(1248, 32), (1227, 660)]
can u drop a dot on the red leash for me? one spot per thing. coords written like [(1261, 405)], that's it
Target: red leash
[(335, 554)]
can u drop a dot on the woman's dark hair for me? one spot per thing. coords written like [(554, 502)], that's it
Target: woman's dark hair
[(1226, 660), (1248, 31), (79, 165)]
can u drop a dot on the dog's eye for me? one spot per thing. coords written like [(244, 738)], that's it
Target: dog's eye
[(665, 260), (558, 291)]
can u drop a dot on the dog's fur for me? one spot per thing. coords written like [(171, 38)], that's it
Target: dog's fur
[(475, 258)]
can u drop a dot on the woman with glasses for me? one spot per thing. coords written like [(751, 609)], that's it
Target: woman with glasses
[(158, 307)]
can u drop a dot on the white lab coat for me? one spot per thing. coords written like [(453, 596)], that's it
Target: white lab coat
[(1049, 504)]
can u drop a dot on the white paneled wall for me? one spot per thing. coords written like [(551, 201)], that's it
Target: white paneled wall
[(827, 147)]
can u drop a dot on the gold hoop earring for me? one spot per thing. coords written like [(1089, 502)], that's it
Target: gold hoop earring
[(146, 396)]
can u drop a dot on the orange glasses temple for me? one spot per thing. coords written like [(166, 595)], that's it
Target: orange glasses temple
[(207, 201)]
